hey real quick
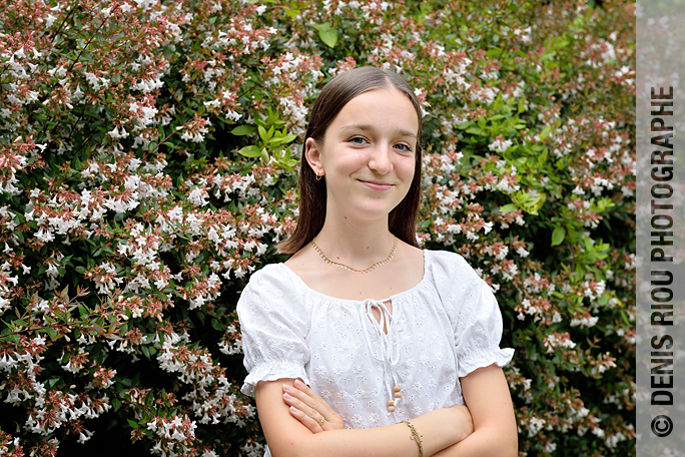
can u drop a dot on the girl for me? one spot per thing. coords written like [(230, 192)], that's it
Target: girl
[(391, 340)]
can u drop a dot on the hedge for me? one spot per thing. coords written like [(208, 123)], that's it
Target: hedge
[(149, 154)]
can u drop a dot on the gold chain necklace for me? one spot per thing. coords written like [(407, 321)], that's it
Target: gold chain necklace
[(354, 270)]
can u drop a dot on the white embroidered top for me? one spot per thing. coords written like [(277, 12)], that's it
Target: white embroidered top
[(445, 327)]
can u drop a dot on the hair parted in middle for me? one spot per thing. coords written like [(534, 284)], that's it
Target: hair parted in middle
[(332, 99)]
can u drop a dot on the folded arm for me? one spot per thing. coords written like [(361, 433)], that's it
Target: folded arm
[(288, 437), (487, 395)]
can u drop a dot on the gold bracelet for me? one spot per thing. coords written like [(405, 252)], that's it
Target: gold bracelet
[(415, 436)]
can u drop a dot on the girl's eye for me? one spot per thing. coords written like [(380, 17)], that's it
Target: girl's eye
[(403, 147), (357, 140)]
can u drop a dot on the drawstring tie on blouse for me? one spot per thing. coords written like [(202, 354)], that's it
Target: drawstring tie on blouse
[(389, 346)]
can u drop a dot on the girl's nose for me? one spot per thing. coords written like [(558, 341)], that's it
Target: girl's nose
[(380, 160)]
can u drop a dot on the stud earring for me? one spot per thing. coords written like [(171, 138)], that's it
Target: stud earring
[(318, 177)]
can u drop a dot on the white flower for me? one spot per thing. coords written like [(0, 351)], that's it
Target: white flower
[(487, 228), (114, 133), (84, 436), (535, 425), (93, 80), (50, 20), (584, 322), (522, 252), (500, 145), (4, 304), (45, 236), (198, 197)]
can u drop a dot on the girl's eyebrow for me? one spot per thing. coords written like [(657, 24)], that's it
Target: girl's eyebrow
[(368, 128)]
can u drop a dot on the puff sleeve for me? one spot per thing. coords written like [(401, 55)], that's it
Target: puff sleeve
[(479, 332), (475, 315), (273, 325)]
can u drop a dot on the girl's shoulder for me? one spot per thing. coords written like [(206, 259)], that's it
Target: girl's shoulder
[(452, 275), (450, 264), (267, 272), (271, 285)]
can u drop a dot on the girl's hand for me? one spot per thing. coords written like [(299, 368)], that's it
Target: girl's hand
[(310, 409)]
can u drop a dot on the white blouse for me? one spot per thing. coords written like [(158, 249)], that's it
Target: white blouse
[(440, 330)]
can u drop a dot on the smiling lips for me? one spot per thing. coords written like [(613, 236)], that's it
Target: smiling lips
[(376, 185)]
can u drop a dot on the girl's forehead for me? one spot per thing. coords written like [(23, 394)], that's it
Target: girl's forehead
[(379, 108)]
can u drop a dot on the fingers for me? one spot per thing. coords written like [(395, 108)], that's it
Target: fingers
[(298, 404), (304, 388), (309, 402), (320, 416), (305, 419)]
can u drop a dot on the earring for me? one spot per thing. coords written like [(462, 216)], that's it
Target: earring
[(318, 177)]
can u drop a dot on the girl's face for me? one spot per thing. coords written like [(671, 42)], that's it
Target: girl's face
[(367, 154)]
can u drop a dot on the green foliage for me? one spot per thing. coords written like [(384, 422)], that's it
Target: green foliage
[(149, 158)]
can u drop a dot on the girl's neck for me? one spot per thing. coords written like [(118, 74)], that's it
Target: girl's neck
[(353, 243)]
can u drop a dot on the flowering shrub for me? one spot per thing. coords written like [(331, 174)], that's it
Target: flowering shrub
[(147, 167)]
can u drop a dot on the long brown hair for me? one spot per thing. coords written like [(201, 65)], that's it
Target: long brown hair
[(333, 97)]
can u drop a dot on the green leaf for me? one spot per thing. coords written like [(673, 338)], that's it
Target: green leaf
[(283, 140), (250, 151), (322, 27), (292, 12), (522, 106), (494, 52), (476, 131), (508, 208), (132, 423), (243, 130), (116, 403), (626, 319), (262, 133), (538, 202), (52, 333), (330, 37), (217, 326), (558, 235), (545, 133)]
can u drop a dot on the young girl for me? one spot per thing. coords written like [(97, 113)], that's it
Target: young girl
[(362, 344)]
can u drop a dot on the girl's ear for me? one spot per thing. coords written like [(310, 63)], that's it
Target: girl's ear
[(313, 155)]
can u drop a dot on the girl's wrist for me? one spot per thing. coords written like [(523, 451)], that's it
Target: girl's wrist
[(438, 429)]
